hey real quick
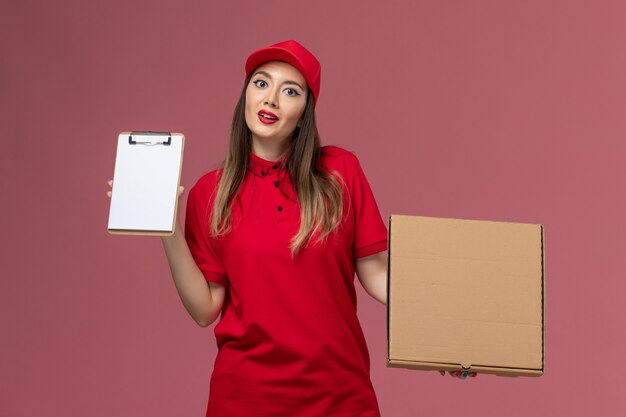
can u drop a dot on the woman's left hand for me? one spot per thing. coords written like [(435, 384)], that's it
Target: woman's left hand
[(459, 374)]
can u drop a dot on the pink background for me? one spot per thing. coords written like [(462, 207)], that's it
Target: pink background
[(499, 110)]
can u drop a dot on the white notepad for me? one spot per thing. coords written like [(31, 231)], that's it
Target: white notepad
[(144, 197)]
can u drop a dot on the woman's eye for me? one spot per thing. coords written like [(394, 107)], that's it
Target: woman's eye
[(293, 92), (260, 81)]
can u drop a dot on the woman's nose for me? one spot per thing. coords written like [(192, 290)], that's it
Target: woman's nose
[(271, 99)]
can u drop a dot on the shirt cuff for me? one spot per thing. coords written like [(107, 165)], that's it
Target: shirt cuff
[(371, 249), (215, 277)]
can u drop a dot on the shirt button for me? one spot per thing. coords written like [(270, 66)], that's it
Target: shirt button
[(275, 166), (280, 208), (275, 183), (262, 173)]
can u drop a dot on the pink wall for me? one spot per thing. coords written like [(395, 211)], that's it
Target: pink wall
[(495, 110)]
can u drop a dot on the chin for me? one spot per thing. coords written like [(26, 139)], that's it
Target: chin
[(265, 138), (264, 135)]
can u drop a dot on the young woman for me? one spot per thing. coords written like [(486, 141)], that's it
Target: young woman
[(272, 241)]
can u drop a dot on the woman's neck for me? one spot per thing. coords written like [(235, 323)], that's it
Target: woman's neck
[(269, 151)]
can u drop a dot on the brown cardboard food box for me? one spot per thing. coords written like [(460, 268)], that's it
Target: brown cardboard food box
[(466, 295)]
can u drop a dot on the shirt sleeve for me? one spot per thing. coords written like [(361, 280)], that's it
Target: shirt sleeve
[(370, 232), (203, 247)]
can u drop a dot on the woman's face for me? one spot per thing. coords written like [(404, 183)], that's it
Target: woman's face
[(278, 90)]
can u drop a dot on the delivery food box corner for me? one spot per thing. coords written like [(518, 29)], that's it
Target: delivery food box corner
[(466, 295)]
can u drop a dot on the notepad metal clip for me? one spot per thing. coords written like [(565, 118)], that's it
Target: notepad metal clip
[(152, 140)]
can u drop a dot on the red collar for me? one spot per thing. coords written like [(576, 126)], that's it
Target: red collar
[(263, 167)]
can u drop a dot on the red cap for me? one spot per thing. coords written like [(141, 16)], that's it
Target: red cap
[(292, 53)]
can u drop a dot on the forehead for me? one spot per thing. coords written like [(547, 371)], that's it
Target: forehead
[(281, 70)]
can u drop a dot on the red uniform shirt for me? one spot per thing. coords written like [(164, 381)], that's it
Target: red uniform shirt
[(289, 340)]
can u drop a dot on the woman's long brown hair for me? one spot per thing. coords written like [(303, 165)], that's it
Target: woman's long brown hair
[(319, 193)]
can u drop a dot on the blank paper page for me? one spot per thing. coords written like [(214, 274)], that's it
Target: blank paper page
[(145, 184)]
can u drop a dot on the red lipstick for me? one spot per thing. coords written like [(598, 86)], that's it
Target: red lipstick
[(267, 117)]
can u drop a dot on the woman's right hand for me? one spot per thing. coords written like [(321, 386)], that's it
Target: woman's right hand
[(181, 189), (459, 374)]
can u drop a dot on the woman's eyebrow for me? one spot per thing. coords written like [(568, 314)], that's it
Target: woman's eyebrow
[(284, 82)]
